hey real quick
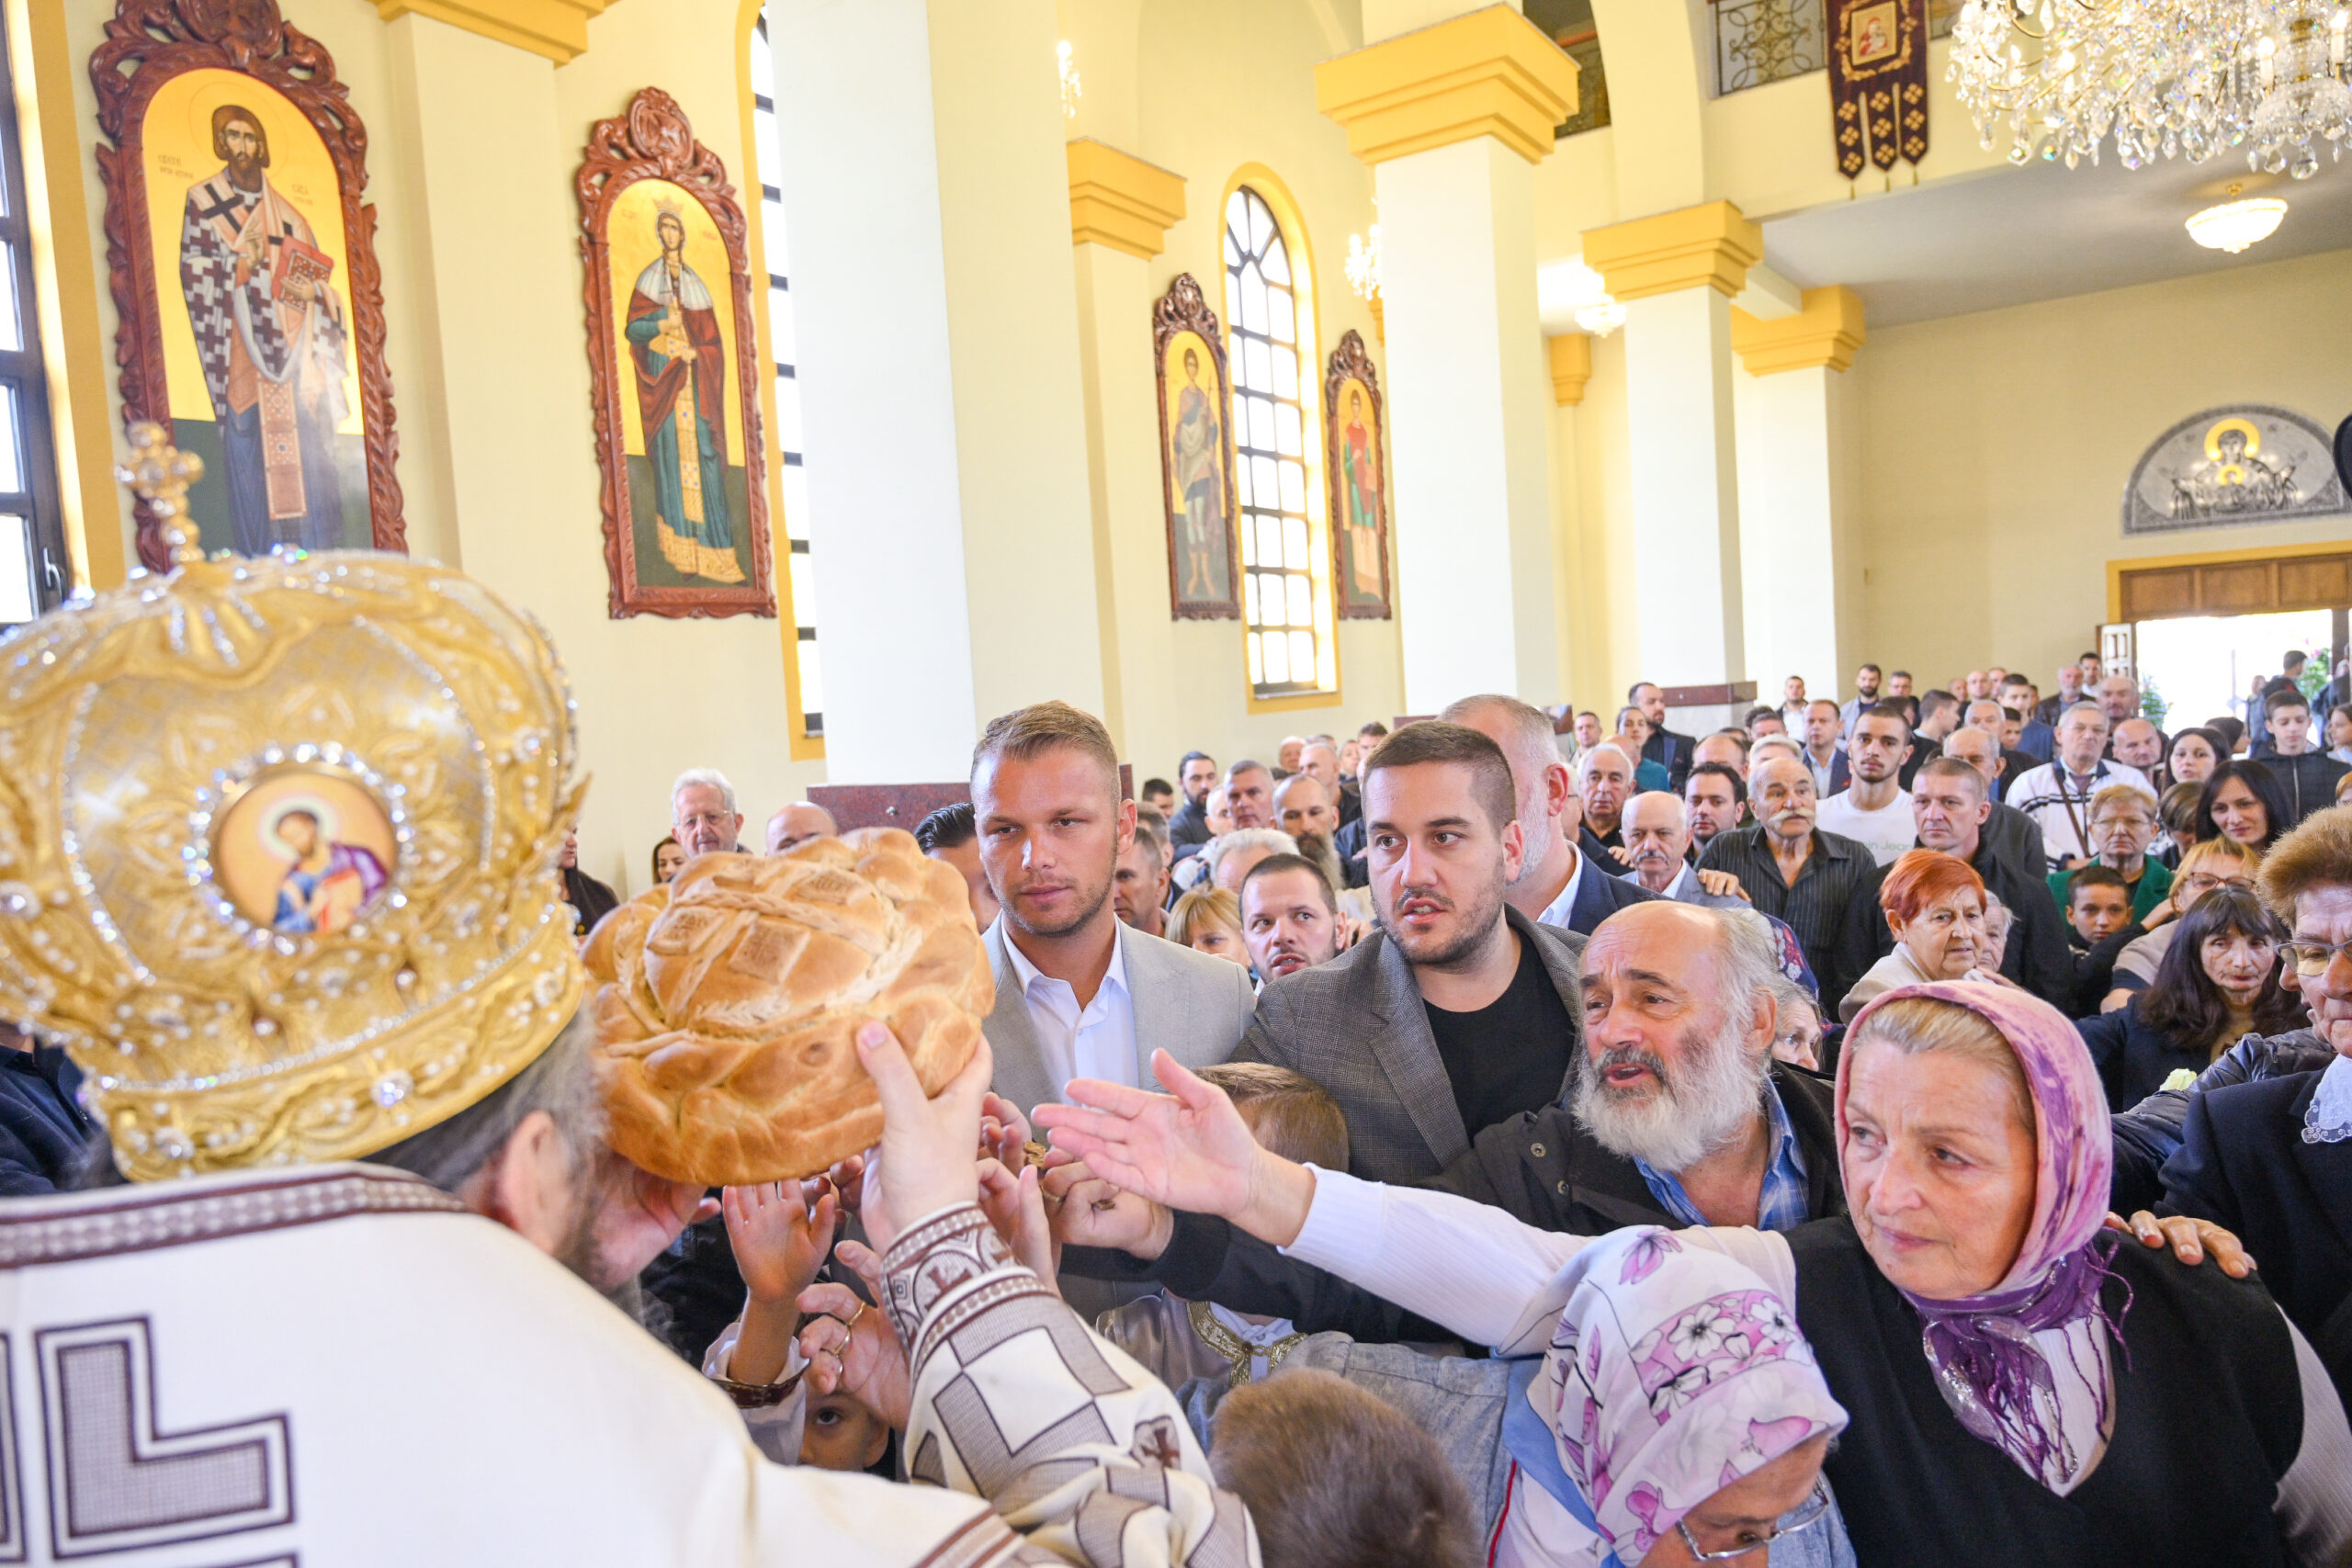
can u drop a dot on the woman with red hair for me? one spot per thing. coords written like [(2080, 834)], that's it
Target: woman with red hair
[(1935, 906)]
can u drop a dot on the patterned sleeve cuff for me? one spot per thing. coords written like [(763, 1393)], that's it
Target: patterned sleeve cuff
[(946, 1267)]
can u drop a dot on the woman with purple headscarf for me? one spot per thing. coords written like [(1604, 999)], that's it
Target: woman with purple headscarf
[(2022, 1389)]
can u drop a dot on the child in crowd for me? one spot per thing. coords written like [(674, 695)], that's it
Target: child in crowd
[(1180, 1340), (2099, 903)]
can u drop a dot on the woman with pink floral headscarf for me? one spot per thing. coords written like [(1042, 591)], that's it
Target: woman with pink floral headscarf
[(2023, 1390)]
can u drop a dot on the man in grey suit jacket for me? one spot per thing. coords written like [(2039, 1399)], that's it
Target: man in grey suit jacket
[(1657, 833), (1078, 993), (1459, 1011)]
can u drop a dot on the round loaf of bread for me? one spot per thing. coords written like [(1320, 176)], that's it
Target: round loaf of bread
[(729, 1000)]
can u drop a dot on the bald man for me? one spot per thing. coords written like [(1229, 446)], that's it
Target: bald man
[(799, 823)]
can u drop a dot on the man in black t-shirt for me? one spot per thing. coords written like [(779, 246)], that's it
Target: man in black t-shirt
[(1459, 1011)]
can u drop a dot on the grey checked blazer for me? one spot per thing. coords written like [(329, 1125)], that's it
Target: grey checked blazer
[(1357, 1026), (1188, 1004)]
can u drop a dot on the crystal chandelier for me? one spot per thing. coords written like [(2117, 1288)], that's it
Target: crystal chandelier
[(2171, 78)]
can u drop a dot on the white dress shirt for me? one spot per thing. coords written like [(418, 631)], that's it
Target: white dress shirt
[(1559, 910), (1095, 1042)]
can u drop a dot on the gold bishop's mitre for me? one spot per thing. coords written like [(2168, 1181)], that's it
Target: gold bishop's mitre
[(278, 847)]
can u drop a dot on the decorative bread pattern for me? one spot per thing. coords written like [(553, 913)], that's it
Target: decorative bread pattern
[(728, 1003)]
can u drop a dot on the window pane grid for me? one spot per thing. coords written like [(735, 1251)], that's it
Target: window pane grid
[(785, 438), (1285, 638)]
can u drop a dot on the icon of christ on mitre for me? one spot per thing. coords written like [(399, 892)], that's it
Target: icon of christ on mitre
[(373, 1213)]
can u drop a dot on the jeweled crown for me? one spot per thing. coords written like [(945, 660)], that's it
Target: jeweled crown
[(278, 847)]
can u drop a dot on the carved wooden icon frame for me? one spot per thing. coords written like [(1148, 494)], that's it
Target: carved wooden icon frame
[(652, 140), (1352, 362), (150, 43), (1181, 322)]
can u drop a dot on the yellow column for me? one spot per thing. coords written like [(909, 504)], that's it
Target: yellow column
[(1791, 515), (1676, 274), (1453, 117), (1120, 210)]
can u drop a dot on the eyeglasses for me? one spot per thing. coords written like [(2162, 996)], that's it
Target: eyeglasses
[(2313, 958), (1803, 1516), (2197, 883)]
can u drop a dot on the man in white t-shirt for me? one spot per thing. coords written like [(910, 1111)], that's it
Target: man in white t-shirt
[(1875, 811)]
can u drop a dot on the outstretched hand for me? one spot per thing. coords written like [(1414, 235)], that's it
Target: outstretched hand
[(1187, 1149), (925, 1161)]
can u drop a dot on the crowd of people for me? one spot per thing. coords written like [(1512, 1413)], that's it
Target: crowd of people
[(1906, 1130)]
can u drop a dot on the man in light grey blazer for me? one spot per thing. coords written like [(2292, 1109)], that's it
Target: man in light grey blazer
[(1658, 835), (1460, 1011), (1079, 993)]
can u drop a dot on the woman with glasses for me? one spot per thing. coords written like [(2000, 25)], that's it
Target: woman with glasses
[(2023, 1387), (2134, 953), (2271, 1156), (2219, 983)]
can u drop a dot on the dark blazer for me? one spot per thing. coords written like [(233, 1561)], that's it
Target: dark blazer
[(1922, 749), (2037, 739), (1672, 752), (2243, 1164), (2133, 1057), (1189, 825), (1357, 1026), (1540, 1168), (1594, 848), (2035, 956), (2015, 761), (44, 1134), (2149, 1133), (1598, 897)]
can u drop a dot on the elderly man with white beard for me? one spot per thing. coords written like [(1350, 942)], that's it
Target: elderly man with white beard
[(1677, 1115)]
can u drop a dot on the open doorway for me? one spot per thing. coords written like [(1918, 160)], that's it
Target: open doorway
[(2203, 666)]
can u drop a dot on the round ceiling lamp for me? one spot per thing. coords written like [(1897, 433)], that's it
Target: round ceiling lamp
[(2234, 225)]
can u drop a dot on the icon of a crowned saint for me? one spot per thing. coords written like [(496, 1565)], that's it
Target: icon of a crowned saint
[(1199, 479), (271, 340), (329, 884), (2234, 478), (1360, 462), (681, 365)]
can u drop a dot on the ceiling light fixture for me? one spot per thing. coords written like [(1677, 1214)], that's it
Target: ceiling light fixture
[(1573, 286), (2170, 78), (2234, 225)]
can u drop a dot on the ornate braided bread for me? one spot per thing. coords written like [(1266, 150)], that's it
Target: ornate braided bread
[(731, 999)]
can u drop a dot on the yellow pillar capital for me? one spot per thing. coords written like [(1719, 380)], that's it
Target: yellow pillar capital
[(556, 28), (1571, 358), (1119, 200), (1824, 333), (1712, 243), (1490, 72)]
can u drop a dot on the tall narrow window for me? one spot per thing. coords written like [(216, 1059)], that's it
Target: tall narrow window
[(784, 440), (1285, 586), (32, 536)]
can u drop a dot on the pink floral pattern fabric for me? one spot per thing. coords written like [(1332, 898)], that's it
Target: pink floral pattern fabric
[(1673, 1372)]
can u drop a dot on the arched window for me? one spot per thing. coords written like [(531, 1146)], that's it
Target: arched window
[(807, 690), (32, 539), (1285, 575)]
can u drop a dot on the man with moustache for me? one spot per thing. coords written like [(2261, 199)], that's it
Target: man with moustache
[(1865, 697), (1658, 832), (1290, 917), (1303, 810), (1320, 761), (1195, 775), (1793, 872), (1458, 1011), (1677, 1115)]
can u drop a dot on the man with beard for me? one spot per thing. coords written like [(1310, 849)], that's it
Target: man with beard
[(1794, 872), (1290, 917), (1677, 1115), (1865, 697), (1457, 1012), (1079, 993), (1303, 810), (1196, 775), (1658, 831), (1716, 795), (1875, 811), (1320, 760), (1668, 750), (1559, 883)]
